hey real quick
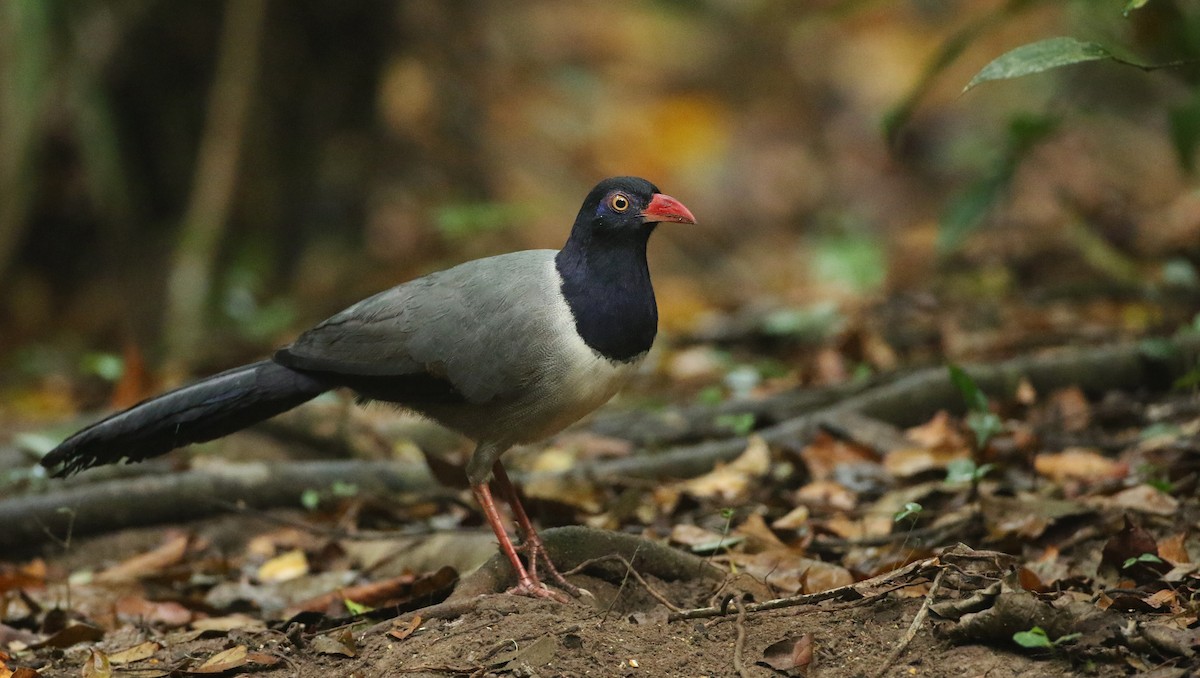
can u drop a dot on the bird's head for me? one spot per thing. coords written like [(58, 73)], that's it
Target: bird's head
[(628, 206)]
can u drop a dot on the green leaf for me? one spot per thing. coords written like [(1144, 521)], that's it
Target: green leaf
[(965, 470), (740, 423), (1144, 558), (986, 426), (911, 510), (710, 395), (356, 608), (1034, 638), (960, 471), (107, 366), (1036, 57), (1132, 5), (976, 400), (310, 499)]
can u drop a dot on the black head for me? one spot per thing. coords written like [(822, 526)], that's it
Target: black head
[(627, 206), (605, 279)]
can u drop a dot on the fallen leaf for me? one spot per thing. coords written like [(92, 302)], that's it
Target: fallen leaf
[(700, 540), (221, 662), (1026, 394), (97, 665), (1173, 550), (31, 575), (135, 654), (791, 656), (535, 655), (228, 623), (1145, 499), (826, 494), (1026, 517), (1079, 464), (938, 432), (825, 453), (336, 643), (284, 567), (758, 536), (170, 552), (729, 482), (1071, 408), (789, 572), (401, 630), (794, 519), (1164, 598), (76, 633), (167, 613), (908, 462), (577, 492)]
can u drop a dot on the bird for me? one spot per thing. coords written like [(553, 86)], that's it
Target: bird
[(506, 350)]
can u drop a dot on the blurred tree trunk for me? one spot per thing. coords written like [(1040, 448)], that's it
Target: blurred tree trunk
[(190, 280)]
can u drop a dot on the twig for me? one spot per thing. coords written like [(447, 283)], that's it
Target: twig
[(630, 571), (918, 619), (896, 579), (739, 645)]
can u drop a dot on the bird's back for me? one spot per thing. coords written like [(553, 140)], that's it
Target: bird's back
[(488, 348)]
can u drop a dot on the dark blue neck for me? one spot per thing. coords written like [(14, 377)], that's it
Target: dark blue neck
[(606, 282)]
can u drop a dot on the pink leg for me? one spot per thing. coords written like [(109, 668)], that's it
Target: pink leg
[(533, 543), (527, 585)]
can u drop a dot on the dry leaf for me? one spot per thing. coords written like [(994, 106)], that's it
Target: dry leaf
[(1077, 463), (790, 573), (826, 453), (97, 665), (906, 463), (1173, 549), (401, 630), (1072, 408), (699, 539), (1026, 394), (578, 492), (1145, 499), (730, 482), (284, 567), (228, 623), (795, 519), (228, 660), (135, 654), (938, 432), (790, 656), (171, 552), (336, 643), (758, 536), (76, 633), (167, 613), (826, 494)]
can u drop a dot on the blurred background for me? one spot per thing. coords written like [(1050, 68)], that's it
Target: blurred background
[(184, 186)]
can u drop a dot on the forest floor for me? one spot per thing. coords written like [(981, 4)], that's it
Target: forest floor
[(1036, 518)]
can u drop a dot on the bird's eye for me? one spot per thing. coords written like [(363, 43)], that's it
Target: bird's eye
[(619, 202)]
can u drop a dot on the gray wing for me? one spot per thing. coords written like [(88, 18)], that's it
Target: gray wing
[(482, 326)]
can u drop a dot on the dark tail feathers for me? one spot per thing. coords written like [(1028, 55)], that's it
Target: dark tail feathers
[(209, 409)]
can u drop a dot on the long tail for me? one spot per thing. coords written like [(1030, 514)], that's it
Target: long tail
[(208, 409)]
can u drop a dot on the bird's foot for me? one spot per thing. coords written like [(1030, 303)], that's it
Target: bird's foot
[(536, 589), (535, 550)]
